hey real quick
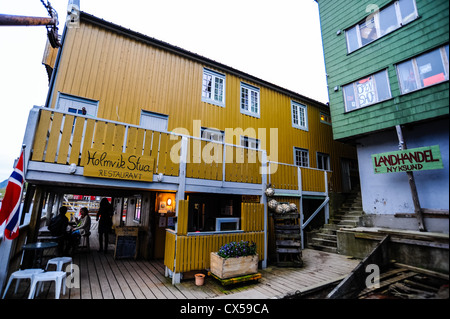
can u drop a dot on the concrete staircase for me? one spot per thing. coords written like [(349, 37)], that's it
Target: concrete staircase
[(347, 216)]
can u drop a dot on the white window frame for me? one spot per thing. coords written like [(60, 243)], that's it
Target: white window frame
[(252, 95), (355, 92), (324, 159), (79, 102), (418, 82), (325, 118), (302, 152), (376, 17), (250, 142), (215, 77), (299, 111), (212, 134)]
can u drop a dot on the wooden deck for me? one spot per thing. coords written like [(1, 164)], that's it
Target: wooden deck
[(103, 277)]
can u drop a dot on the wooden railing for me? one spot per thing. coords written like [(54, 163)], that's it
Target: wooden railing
[(287, 176), (65, 138)]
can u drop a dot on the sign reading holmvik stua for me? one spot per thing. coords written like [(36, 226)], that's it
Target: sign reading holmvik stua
[(415, 159), (116, 165)]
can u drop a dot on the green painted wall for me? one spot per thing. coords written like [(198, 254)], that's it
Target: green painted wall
[(429, 31)]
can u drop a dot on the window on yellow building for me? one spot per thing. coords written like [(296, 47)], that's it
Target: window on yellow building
[(301, 157), (299, 116), (213, 87), (325, 118), (249, 100), (323, 161)]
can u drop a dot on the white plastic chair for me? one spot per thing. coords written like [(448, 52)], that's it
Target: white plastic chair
[(59, 277), (59, 262), (21, 274)]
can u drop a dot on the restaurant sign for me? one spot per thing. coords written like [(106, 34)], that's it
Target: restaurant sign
[(106, 164), (415, 159)]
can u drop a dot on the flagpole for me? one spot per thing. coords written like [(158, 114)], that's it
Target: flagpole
[(22, 215)]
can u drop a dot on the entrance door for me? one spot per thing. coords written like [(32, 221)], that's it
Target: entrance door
[(345, 171)]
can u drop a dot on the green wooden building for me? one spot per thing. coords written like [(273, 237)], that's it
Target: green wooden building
[(388, 72)]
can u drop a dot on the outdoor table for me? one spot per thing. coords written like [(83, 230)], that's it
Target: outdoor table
[(38, 249)]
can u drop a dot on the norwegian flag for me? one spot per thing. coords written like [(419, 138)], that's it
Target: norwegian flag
[(10, 209)]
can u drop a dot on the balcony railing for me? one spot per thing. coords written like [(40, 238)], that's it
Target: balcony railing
[(64, 138)]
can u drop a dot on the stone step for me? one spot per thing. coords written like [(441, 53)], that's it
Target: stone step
[(326, 236), (325, 248), (348, 222), (324, 242)]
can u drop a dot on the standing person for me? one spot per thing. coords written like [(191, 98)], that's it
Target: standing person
[(105, 213)]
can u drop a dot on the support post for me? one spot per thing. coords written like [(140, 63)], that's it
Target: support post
[(264, 171), (412, 183)]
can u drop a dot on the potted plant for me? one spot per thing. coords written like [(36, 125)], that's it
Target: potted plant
[(235, 259)]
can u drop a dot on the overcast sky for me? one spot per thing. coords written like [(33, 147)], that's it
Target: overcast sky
[(277, 41)]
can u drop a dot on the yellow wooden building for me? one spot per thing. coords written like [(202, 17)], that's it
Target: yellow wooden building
[(184, 145)]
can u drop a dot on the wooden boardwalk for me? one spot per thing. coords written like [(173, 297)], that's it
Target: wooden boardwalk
[(103, 277)]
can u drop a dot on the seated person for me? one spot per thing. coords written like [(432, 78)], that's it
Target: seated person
[(82, 229), (58, 227)]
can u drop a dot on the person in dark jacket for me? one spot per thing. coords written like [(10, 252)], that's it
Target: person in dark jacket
[(104, 216), (58, 227)]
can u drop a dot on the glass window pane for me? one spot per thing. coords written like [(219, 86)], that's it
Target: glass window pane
[(349, 97), (431, 69), (365, 89), (218, 92), (406, 77), (368, 31), (388, 20), (244, 98), (407, 10), (207, 79), (352, 39), (446, 51), (382, 83)]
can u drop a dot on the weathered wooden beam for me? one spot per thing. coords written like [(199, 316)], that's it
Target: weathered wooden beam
[(355, 282)]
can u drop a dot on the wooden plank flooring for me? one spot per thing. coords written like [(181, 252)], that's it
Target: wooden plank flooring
[(103, 277)]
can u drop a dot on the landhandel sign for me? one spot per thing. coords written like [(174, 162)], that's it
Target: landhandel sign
[(106, 164), (415, 159)]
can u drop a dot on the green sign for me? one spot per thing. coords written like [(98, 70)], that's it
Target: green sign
[(415, 159)]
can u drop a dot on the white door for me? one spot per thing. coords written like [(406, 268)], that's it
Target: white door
[(154, 121), (76, 105)]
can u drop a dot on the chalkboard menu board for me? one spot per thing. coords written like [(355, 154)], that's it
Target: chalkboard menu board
[(126, 242)]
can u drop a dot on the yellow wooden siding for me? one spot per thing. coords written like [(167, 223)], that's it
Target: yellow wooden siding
[(126, 76), (192, 252), (169, 250), (252, 217), (182, 217)]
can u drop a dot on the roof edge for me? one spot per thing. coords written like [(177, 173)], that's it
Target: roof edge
[(194, 56)]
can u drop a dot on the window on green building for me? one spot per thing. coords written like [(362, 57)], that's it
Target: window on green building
[(424, 70), (367, 91), (380, 23)]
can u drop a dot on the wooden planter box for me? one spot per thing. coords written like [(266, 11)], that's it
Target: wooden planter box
[(233, 267)]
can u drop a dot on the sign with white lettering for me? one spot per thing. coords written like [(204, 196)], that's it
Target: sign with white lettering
[(415, 159), (106, 164)]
